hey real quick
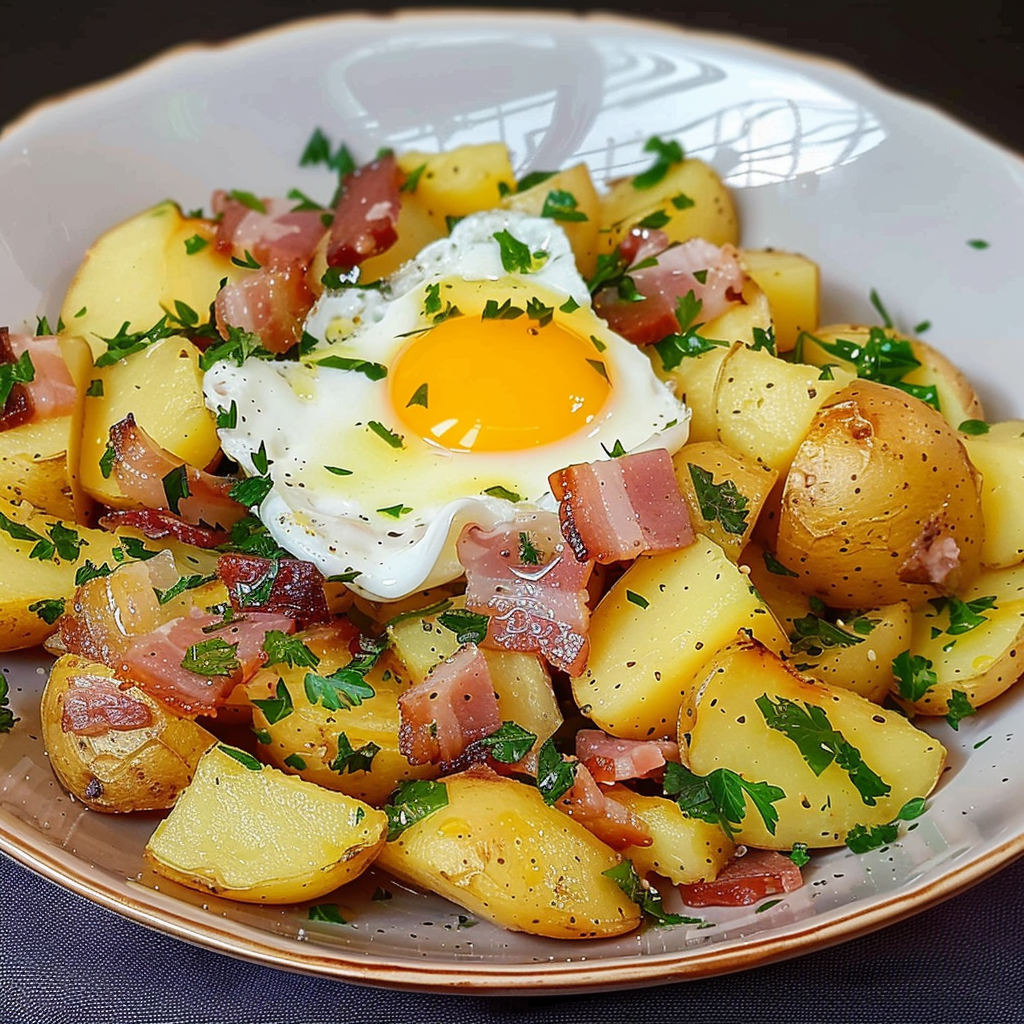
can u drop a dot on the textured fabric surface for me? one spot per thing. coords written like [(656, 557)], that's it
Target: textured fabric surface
[(65, 961)]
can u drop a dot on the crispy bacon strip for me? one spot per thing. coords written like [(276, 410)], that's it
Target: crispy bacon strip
[(50, 393), (611, 759), (271, 302), (452, 708), (156, 660), (615, 509), (288, 586), (713, 274), (524, 577), (155, 524), (96, 705), (745, 880), (140, 467), (276, 234), (366, 216)]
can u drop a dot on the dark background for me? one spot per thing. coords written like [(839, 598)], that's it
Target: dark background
[(62, 959)]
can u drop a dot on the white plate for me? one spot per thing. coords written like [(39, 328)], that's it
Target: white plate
[(885, 193)]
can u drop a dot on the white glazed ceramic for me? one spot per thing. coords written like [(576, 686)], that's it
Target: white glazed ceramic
[(885, 193)]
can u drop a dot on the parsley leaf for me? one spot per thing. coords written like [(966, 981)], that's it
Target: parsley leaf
[(529, 554), (497, 491), (516, 256), (375, 371), (20, 372), (666, 154), (645, 896), (914, 675), (7, 716), (509, 743), (469, 627), (555, 775), (723, 501), (213, 657), (412, 802), (349, 759), (241, 756), (277, 707), (820, 744), (720, 797), (48, 609), (284, 649), (389, 436), (561, 205), (958, 707)]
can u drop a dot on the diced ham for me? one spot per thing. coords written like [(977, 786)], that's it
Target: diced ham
[(289, 586), (611, 759), (616, 509), (366, 216), (713, 274), (599, 812), (536, 603), (271, 302), (95, 705), (745, 880), (276, 234), (154, 660), (156, 523), (140, 466), (452, 708), (934, 557), (50, 393)]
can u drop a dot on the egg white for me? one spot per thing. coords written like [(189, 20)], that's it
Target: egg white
[(344, 495)]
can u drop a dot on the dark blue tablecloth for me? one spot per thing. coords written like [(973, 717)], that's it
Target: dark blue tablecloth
[(65, 961)]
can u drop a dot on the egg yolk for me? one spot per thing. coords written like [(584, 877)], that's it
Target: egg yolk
[(497, 385)]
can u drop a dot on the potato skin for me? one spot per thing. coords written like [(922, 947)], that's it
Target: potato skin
[(879, 475), (499, 851), (141, 769)]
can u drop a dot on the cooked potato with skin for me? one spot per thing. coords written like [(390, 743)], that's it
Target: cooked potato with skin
[(973, 644), (497, 849), (998, 454), (881, 500), (724, 492), (723, 724), (305, 739), (251, 833), (684, 849), (958, 401), (124, 769), (656, 629)]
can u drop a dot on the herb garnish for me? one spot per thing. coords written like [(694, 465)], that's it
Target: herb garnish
[(412, 802), (722, 502), (509, 743), (20, 372), (666, 154), (645, 896), (468, 626), (213, 657), (277, 707), (349, 759), (720, 797)]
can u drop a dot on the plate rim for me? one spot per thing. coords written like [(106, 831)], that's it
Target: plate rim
[(61, 866)]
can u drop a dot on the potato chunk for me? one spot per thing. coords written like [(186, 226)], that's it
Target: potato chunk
[(251, 833)]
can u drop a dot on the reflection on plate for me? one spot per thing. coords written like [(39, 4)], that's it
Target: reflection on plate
[(822, 161)]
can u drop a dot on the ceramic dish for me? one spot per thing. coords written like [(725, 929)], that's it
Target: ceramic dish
[(885, 193)]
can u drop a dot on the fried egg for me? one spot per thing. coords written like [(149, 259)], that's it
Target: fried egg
[(445, 398)]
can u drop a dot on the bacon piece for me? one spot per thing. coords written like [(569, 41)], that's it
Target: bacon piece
[(276, 234), (745, 880), (155, 524), (140, 466), (934, 556), (50, 393), (540, 608), (271, 302), (366, 216), (616, 759), (673, 275), (615, 509), (452, 708), (95, 705), (289, 586), (599, 812), (154, 660)]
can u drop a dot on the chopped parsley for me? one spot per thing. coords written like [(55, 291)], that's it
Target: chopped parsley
[(7, 716), (375, 371), (412, 802), (964, 615), (666, 154), (184, 583), (974, 428), (20, 372), (286, 649), (278, 707), (395, 511), (389, 436), (241, 756), (914, 675), (529, 554), (497, 491), (345, 687), (555, 775), (720, 797), (469, 627), (516, 256), (213, 657), (318, 151), (49, 609), (176, 487), (561, 205), (722, 502), (958, 707), (195, 244), (349, 759), (419, 397), (645, 896), (820, 744), (509, 743), (638, 599)]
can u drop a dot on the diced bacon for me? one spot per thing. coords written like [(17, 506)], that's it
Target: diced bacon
[(934, 557), (140, 466), (745, 880), (276, 234), (288, 586), (713, 274), (271, 302), (154, 660), (617, 760), (366, 216), (616, 509), (95, 705), (540, 608), (599, 812), (108, 612), (452, 708), (50, 393), (155, 523)]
